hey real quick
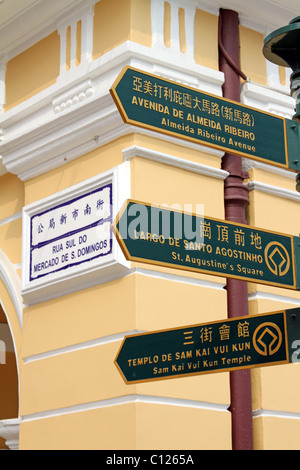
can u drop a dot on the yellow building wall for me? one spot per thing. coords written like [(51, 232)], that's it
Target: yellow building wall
[(206, 39), (32, 71), (12, 195), (11, 240), (253, 63), (183, 185), (132, 21), (276, 433), (133, 426), (80, 169)]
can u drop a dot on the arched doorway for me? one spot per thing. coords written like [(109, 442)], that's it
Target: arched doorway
[(9, 400)]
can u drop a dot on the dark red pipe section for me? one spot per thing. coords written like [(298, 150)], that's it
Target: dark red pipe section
[(236, 200)]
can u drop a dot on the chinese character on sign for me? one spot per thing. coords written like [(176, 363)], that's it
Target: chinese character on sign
[(188, 338), (63, 219), (187, 100), (238, 116), (177, 97), (137, 84), (198, 103), (157, 90), (100, 203), (75, 213), (227, 113), (223, 233), (256, 240), (168, 93), (215, 109), (243, 329), (205, 229), (40, 228), (239, 237), (224, 332), (148, 87), (248, 119), (206, 106), (206, 335), (52, 223), (87, 210)]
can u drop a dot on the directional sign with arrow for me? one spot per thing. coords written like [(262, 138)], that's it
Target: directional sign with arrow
[(148, 101), (231, 344), (160, 236)]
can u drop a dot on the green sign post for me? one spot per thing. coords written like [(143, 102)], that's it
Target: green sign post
[(170, 108), (226, 345), (175, 239)]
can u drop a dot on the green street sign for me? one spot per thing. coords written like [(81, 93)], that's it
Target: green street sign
[(231, 344), (153, 103), (175, 239)]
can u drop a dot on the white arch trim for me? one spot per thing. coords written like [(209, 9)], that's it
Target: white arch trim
[(8, 274)]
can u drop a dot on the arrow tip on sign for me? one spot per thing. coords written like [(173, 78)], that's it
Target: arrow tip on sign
[(115, 95), (116, 232), (114, 225), (116, 361)]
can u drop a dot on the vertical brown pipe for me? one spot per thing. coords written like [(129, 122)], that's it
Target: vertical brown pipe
[(236, 201)]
